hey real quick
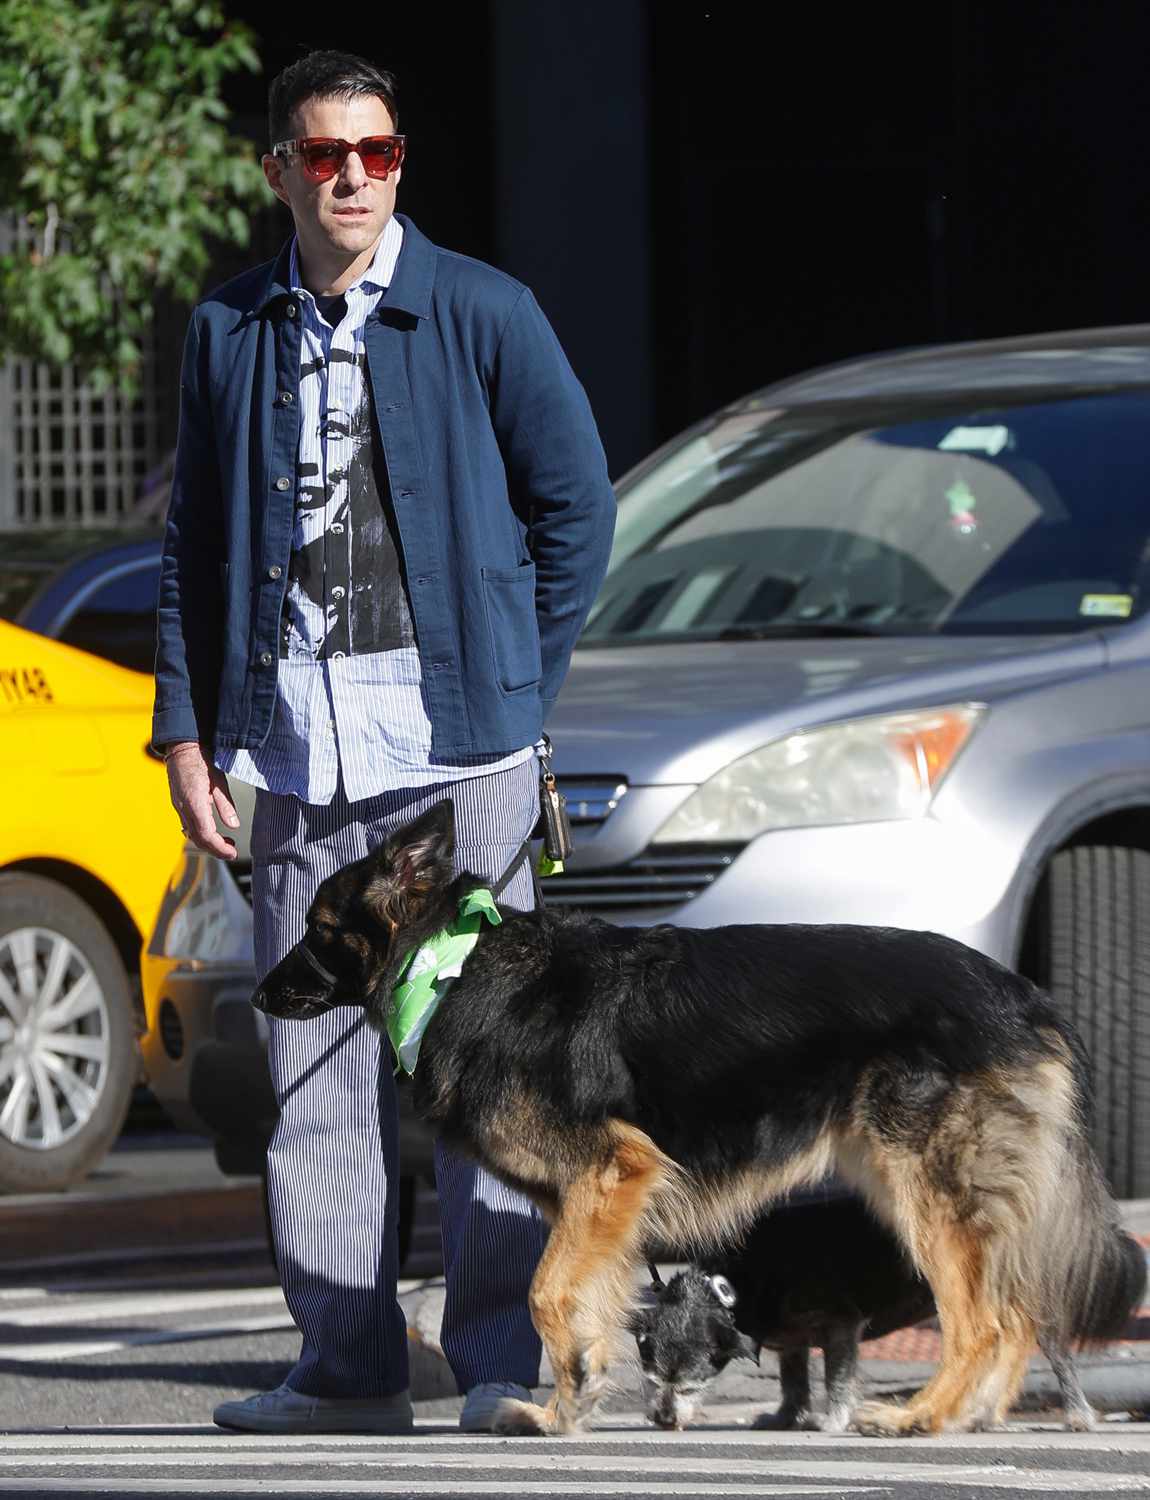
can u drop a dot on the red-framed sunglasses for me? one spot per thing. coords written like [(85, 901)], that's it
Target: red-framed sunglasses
[(324, 155)]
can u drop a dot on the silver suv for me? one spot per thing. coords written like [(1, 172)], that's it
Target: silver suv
[(873, 647)]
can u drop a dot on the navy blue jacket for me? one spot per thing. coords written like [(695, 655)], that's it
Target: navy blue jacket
[(504, 508)]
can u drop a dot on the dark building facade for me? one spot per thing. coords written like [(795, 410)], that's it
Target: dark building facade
[(706, 197)]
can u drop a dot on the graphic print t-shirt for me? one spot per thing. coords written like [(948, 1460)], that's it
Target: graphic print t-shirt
[(347, 594)]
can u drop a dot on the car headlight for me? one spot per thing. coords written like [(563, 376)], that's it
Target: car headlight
[(860, 771)]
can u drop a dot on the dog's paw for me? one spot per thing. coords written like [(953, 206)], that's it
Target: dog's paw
[(784, 1420), (1079, 1419), (522, 1419), (837, 1419), (885, 1419)]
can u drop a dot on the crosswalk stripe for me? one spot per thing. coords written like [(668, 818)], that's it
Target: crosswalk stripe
[(81, 1349), (642, 1471), (620, 1429), (265, 1486), (142, 1305)]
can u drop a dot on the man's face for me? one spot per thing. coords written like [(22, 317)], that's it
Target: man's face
[(346, 214)]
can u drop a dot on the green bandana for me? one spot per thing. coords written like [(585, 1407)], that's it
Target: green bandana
[(428, 972)]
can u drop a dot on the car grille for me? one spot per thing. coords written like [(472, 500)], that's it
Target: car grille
[(667, 877)]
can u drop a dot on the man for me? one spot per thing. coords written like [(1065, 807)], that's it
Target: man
[(390, 516)]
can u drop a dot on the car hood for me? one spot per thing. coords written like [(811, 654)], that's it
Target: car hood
[(676, 714)]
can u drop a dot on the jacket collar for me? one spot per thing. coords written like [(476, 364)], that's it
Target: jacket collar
[(411, 285)]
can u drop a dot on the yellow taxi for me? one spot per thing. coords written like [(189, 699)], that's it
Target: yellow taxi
[(87, 839)]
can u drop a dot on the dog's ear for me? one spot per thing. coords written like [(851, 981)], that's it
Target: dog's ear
[(730, 1342), (413, 863), (748, 1348)]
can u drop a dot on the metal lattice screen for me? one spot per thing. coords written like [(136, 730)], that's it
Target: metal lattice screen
[(73, 456)]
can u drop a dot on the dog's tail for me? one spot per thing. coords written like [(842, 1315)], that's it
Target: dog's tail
[(1096, 1272)]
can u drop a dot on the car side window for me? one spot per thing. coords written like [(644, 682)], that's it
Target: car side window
[(117, 618)]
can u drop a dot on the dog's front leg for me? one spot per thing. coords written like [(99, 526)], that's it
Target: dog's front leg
[(584, 1280)]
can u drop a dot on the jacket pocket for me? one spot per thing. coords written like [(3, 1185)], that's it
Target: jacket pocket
[(509, 598)]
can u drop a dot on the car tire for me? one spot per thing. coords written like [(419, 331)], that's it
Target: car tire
[(1097, 939), (68, 1052)]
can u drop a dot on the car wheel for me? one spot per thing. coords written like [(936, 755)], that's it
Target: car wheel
[(68, 1053), (1097, 921)]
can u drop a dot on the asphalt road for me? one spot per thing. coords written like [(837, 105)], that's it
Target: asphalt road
[(115, 1344)]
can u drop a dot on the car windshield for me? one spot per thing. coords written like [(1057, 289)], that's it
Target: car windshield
[(997, 519)]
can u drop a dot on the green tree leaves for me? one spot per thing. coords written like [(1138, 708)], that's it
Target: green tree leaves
[(116, 158)]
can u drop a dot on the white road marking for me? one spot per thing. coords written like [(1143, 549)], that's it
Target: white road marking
[(143, 1305), (642, 1473), (35, 1354), (406, 1487), (1131, 1438)]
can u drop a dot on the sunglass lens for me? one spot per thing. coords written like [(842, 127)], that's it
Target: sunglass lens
[(380, 155), (323, 159)]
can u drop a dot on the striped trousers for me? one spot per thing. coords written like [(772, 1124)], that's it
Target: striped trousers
[(333, 1169)]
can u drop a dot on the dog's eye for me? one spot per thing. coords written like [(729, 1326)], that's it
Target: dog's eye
[(644, 1347)]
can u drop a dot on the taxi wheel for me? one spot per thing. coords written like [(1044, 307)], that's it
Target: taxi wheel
[(68, 1053)]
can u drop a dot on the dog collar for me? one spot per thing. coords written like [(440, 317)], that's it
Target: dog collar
[(427, 973)]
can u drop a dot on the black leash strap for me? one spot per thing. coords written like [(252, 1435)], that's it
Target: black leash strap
[(656, 1279), (511, 871)]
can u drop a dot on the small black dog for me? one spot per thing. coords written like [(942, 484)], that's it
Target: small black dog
[(821, 1274), (662, 1085)]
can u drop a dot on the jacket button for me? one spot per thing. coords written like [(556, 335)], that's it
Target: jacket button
[(291, 309), (266, 658), (337, 593), (283, 484), (285, 398), (275, 572)]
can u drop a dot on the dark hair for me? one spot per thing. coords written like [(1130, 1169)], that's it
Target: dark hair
[(325, 75)]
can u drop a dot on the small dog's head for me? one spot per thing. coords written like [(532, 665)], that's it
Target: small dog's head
[(686, 1336), (363, 922)]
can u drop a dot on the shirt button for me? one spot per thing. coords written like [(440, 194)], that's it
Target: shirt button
[(275, 572), (283, 484), (266, 658), (337, 593)]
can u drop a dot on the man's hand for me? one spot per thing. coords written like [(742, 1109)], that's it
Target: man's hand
[(199, 791)]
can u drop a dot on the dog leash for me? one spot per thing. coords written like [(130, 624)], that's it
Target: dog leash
[(653, 1269)]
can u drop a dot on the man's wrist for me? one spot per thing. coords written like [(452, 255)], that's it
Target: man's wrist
[(168, 751)]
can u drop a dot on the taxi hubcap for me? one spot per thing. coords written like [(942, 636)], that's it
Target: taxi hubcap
[(54, 1043)]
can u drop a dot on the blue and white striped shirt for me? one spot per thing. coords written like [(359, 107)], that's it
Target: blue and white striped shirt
[(349, 698)]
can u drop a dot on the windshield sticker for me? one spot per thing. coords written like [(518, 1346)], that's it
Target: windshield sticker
[(24, 684), (1117, 606), (991, 440)]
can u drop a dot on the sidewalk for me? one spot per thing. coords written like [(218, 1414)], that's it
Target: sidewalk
[(1116, 1380)]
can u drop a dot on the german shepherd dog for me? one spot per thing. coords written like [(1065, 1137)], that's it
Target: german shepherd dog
[(661, 1085), (823, 1274)]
